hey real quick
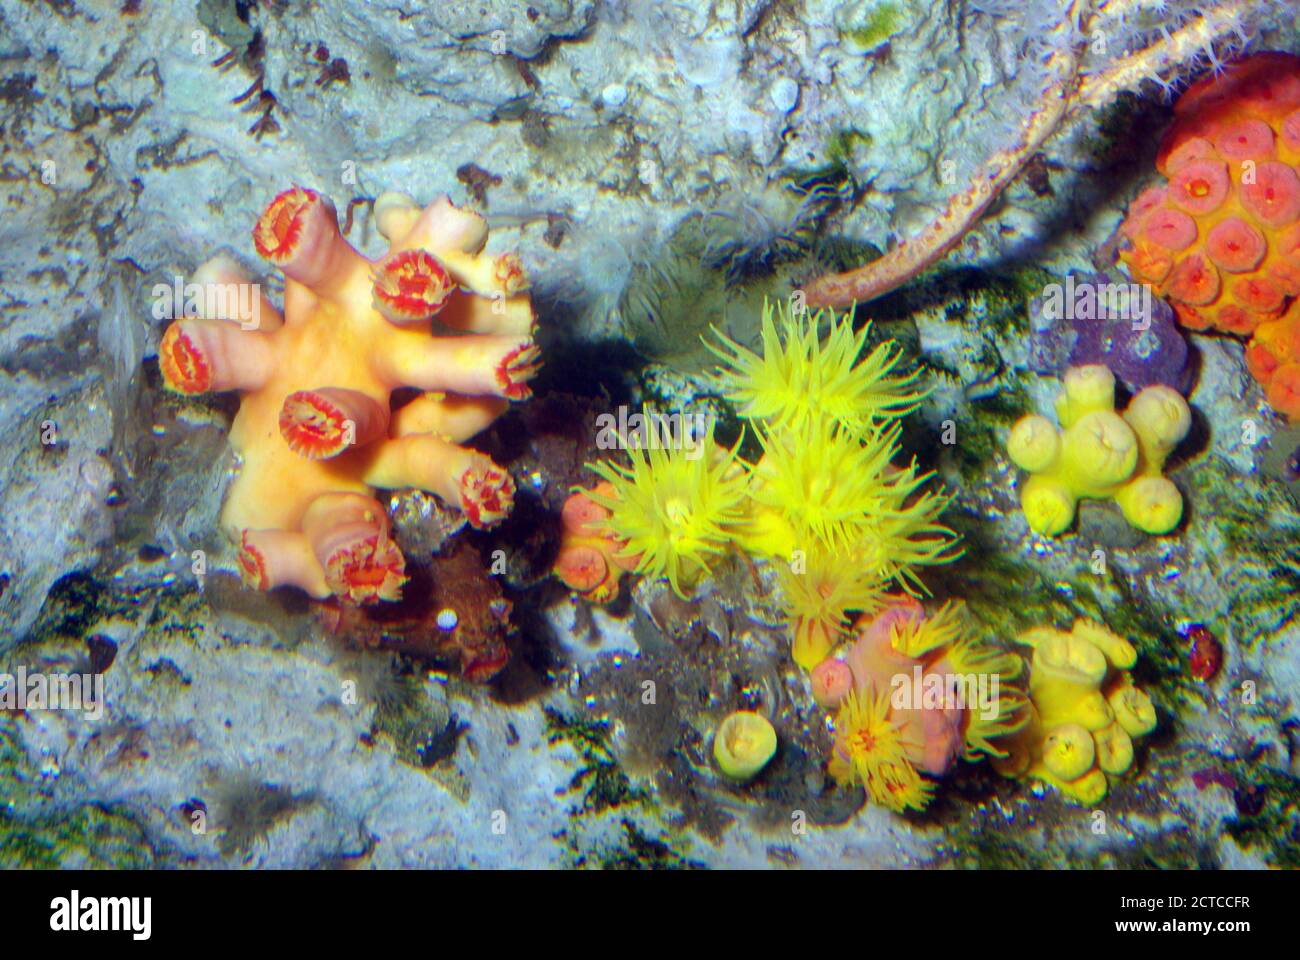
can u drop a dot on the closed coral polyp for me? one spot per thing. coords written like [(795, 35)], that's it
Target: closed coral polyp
[(1235, 245), (591, 558), (1200, 186)]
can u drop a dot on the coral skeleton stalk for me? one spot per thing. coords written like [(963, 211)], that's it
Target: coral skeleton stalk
[(1065, 92)]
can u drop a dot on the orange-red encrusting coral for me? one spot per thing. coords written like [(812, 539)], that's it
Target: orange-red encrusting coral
[(1221, 240), (316, 432)]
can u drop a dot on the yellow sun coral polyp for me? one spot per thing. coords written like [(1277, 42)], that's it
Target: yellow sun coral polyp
[(827, 482), (674, 506), (871, 749), (801, 379), (315, 430), (826, 489), (1099, 454), (943, 641), (819, 592), (1084, 712)]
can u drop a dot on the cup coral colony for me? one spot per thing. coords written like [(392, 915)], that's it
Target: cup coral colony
[(316, 432), (814, 487)]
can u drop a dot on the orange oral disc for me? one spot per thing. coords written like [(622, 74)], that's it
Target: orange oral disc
[(278, 229), (184, 368), (313, 427)]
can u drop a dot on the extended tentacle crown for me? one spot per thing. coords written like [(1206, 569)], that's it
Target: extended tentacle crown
[(316, 431)]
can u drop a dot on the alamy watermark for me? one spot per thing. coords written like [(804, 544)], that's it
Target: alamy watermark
[(946, 691), (53, 691), (1098, 301), (241, 302), (653, 431), (76, 913)]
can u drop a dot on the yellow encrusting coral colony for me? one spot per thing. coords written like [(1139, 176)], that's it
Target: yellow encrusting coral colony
[(1084, 714), (1100, 454)]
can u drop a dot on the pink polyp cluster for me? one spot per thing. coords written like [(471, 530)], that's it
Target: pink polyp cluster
[(1221, 239), (933, 735)]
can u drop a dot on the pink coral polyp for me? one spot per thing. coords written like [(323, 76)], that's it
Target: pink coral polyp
[(1272, 194), (1199, 187), (1235, 245), (1248, 140), (1171, 229)]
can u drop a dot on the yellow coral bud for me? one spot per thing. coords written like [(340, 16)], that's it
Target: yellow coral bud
[(1093, 712), (1133, 709), (1067, 659), (743, 744), (1087, 390), (1116, 649), (1089, 789), (1034, 443), (1064, 680), (1048, 506), (1152, 504), (1068, 751), (394, 214), (813, 642), (1099, 452), (1161, 418), (1114, 749)]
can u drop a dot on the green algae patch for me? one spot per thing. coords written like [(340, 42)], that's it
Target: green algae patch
[(39, 832), (421, 734), (639, 851), (74, 604), (603, 832), (878, 24), (1252, 534)]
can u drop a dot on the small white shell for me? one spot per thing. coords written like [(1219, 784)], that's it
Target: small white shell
[(784, 94), (614, 95)]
